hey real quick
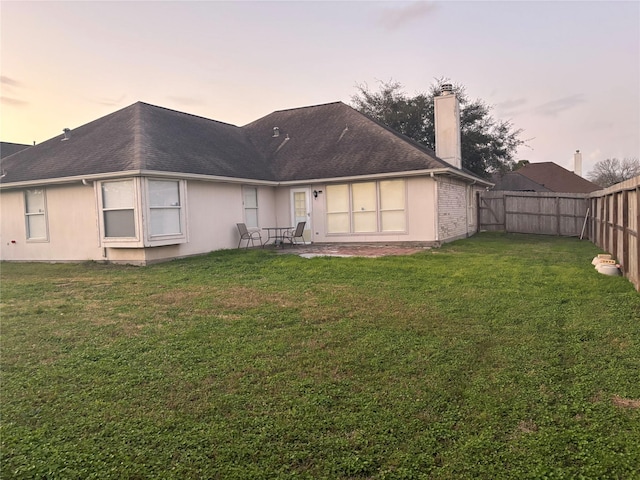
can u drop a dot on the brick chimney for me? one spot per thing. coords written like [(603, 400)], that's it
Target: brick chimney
[(447, 119)]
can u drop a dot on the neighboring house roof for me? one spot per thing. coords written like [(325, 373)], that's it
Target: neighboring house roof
[(8, 148), (545, 177), (318, 142)]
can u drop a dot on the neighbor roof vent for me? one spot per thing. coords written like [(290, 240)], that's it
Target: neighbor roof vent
[(276, 132), (67, 134)]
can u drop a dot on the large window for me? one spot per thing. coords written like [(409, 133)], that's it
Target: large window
[(118, 209), (250, 206), (35, 213), (164, 207), (367, 207), (338, 211)]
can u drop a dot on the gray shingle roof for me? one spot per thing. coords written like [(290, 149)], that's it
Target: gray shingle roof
[(323, 141), (334, 140), (142, 137), (8, 148)]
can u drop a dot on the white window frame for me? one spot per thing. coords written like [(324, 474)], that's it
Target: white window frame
[(379, 211), (28, 215), (255, 209), (142, 216), (165, 238), (135, 207)]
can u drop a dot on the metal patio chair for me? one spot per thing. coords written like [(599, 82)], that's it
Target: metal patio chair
[(249, 236), (298, 232)]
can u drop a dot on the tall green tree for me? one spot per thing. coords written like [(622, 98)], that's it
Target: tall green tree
[(488, 145)]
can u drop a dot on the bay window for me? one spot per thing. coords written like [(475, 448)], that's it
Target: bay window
[(138, 212)]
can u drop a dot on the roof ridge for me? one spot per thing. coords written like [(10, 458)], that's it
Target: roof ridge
[(308, 106), (138, 134), (159, 107)]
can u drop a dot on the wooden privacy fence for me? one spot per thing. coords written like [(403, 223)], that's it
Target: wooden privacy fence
[(614, 222), (544, 213), (610, 218)]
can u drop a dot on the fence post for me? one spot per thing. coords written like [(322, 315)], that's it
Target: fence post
[(504, 209), (614, 232), (637, 279), (557, 215), (625, 231), (478, 217)]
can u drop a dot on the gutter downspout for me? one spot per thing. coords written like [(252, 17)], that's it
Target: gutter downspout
[(436, 217), (470, 199)]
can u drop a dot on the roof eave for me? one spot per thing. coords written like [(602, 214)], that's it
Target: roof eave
[(133, 173), (409, 173), (242, 180)]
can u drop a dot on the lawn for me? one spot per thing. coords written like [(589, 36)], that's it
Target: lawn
[(498, 356)]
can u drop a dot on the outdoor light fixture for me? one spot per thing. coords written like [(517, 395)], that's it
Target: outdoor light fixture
[(316, 192)]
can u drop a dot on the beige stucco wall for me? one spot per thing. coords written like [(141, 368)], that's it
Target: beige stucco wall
[(212, 210), (420, 210), (437, 209), (71, 220)]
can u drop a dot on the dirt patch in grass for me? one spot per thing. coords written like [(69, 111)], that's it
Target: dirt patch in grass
[(235, 298), (625, 402), (527, 426)]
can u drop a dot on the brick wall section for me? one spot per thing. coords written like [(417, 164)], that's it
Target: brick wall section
[(452, 209)]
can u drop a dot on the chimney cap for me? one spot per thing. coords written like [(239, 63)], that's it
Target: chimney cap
[(447, 88)]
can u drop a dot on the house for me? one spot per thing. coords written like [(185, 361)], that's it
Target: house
[(148, 184), (545, 177), (8, 148)]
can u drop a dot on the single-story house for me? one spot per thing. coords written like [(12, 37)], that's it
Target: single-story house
[(148, 184), (544, 177)]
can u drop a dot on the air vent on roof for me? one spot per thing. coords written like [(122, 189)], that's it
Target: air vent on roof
[(67, 134), (276, 132), (447, 88)]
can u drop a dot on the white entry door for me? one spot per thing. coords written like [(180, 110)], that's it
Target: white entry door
[(301, 210)]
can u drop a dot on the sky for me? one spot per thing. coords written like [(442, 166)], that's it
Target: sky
[(566, 73)]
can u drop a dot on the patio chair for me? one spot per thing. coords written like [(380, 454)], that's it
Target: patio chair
[(292, 234), (245, 234)]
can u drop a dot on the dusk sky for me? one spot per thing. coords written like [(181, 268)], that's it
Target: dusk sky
[(567, 73)]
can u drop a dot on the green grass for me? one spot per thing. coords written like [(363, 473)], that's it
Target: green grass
[(499, 356)]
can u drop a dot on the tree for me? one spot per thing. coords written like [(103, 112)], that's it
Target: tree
[(488, 145), (611, 171)]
